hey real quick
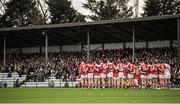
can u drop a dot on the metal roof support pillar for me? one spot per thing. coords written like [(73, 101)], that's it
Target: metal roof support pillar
[(46, 49), (40, 49), (82, 48), (124, 45), (88, 45), (178, 39), (133, 44), (103, 47), (147, 44), (60, 48), (171, 44), (4, 51), (20, 50)]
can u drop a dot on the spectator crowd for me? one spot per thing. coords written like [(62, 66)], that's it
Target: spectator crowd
[(65, 65)]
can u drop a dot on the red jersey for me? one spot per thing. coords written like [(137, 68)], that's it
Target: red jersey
[(150, 69), (161, 68), (83, 68), (115, 74), (130, 67), (90, 68), (137, 73), (143, 68), (120, 67), (110, 67), (103, 68), (155, 71), (97, 69)]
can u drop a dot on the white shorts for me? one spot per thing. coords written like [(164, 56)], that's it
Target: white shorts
[(96, 76), (167, 76), (110, 74), (143, 76), (154, 76), (83, 76), (90, 75), (115, 78), (103, 75), (150, 76), (121, 75), (161, 76), (136, 81), (129, 75)]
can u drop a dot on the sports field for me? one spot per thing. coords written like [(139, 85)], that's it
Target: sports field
[(73, 95)]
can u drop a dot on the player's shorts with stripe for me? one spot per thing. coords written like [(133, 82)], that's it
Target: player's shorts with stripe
[(143, 76), (154, 76), (115, 78), (167, 75), (90, 75), (130, 76), (102, 75), (150, 76), (110, 74), (96, 75), (161, 76), (84, 76), (121, 75)]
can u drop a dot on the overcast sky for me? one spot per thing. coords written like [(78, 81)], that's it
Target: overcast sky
[(77, 4)]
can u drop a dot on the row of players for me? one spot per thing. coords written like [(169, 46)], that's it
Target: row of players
[(96, 75)]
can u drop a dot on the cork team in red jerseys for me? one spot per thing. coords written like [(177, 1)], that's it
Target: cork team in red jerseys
[(122, 74)]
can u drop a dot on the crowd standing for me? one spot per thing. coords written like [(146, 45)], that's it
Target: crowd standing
[(153, 67)]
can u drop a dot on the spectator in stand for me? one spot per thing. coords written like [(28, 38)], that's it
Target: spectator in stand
[(65, 65)]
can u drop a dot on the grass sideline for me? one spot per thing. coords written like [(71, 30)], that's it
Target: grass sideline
[(74, 95)]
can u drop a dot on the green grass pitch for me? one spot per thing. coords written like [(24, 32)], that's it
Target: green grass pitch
[(74, 95)]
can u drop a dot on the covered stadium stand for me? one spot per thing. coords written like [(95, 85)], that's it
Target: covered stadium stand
[(111, 31)]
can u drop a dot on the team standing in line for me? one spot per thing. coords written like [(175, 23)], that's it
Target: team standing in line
[(121, 74)]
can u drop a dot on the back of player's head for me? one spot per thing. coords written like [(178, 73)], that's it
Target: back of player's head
[(82, 62), (97, 62)]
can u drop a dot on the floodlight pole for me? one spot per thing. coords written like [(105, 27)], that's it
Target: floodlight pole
[(137, 8), (178, 40), (46, 49), (4, 50), (88, 45), (133, 44)]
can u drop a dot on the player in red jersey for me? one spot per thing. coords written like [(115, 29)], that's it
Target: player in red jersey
[(110, 70), (161, 74), (143, 69), (120, 67), (115, 76), (90, 75), (167, 74), (83, 72), (97, 68), (136, 76), (150, 73), (155, 75), (129, 70), (103, 73)]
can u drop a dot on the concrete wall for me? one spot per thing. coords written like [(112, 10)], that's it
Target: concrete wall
[(113, 46), (51, 49), (154, 44), (93, 47), (69, 48), (11, 50), (30, 50), (174, 43)]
